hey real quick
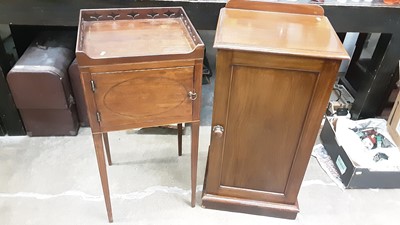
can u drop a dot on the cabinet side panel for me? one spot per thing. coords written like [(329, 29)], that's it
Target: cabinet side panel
[(267, 110)]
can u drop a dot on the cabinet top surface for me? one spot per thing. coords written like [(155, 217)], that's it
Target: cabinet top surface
[(135, 32), (275, 32)]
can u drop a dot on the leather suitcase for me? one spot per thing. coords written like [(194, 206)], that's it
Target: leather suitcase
[(77, 89), (50, 122), (40, 86), (39, 78)]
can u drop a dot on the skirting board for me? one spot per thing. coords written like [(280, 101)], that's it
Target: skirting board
[(280, 210)]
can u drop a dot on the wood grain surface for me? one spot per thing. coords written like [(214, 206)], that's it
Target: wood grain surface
[(275, 7), (275, 32), (264, 124), (165, 36)]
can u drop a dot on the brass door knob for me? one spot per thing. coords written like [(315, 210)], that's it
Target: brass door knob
[(192, 95), (218, 130)]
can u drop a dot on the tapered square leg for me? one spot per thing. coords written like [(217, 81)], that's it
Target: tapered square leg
[(98, 145), (180, 139), (194, 156), (107, 146)]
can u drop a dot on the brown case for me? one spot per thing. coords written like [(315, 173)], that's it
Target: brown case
[(39, 78), (50, 122), (40, 86), (77, 89)]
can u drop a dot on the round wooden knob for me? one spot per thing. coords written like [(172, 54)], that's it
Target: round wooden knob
[(218, 130)]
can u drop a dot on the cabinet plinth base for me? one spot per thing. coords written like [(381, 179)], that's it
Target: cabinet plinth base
[(280, 210)]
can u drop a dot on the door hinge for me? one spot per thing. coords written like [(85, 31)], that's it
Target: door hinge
[(98, 116), (93, 85)]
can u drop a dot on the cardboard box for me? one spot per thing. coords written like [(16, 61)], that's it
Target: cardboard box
[(351, 174)]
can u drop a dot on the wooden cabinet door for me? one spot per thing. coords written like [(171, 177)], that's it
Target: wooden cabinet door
[(141, 98), (270, 108)]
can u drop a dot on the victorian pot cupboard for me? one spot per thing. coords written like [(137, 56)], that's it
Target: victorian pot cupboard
[(276, 65), (140, 67)]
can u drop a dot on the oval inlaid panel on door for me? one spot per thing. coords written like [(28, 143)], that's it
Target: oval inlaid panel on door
[(136, 95), (148, 94)]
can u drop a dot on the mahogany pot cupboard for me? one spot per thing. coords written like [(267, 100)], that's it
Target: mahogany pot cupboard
[(276, 66), (140, 67)]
